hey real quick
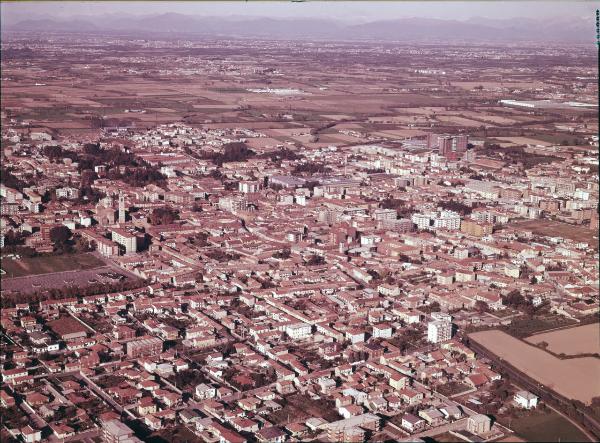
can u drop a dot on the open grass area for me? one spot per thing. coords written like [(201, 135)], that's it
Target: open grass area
[(301, 407), (453, 388), (559, 138), (552, 228), (178, 434), (46, 264), (446, 437), (539, 427)]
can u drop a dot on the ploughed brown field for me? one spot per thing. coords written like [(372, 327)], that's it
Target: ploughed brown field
[(575, 378), (573, 341)]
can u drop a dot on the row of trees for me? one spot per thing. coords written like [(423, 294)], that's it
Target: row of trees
[(8, 179), (283, 254), (311, 168), (10, 300), (282, 154), (315, 260), (121, 165), (517, 154), (232, 152), (66, 243), (456, 206), (163, 216), (63, 240)]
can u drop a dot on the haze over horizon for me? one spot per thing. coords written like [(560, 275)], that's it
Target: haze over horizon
[(348, 11)]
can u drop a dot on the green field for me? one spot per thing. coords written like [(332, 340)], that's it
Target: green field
[(446, 437), (551, 228), (47, 264), (178, 434), (540, 427), (558, 138)]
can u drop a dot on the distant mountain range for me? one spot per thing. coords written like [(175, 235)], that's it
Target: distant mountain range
[(409, 29)]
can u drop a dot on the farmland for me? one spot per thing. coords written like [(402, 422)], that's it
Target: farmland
[(546, 426), (548, 370), (572, 341)]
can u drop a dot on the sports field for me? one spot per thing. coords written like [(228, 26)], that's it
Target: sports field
[(47, 264)]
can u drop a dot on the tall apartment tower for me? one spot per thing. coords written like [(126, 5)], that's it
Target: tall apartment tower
[(121, 208), (450, 146), (445, 145), (440, 328)]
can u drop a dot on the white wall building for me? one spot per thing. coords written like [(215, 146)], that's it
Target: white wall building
[(382, 330), (526, 399), (204, 391), (298, 331), (440, 328), (448, 220)]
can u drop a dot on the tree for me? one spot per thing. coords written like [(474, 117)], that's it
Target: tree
[(311, 168), (455, 206), (11, 181), (12, 238), (80, 244), (60, 236), (311, 184), (315, 260), (87, 178), (481, 306), (233, 152), (283, 254), (163, 216), (514, 299), (432, 307), (374, 274)]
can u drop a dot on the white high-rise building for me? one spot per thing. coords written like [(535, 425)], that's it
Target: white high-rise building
[(448, 220), (439, 329), (423, 221)]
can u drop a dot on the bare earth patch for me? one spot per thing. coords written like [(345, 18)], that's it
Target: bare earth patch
[(575, 378), (572, 341)]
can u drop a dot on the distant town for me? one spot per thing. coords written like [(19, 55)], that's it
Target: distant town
[(266, 241)]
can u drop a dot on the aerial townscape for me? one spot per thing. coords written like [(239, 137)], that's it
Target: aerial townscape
[(266, 237)]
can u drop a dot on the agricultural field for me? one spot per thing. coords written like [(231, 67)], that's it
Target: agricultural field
[(572, 341), (546, 427), (542, 366), (523, 141)]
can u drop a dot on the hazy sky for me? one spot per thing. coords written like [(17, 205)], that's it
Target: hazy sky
[(343, 10)]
